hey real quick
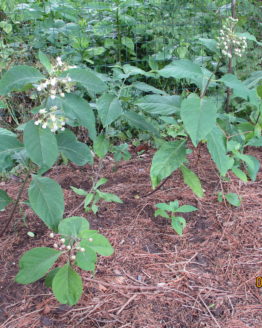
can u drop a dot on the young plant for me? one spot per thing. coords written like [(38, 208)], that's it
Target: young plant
[(231, 197), (75, 245), (178, 223), (95, 195)]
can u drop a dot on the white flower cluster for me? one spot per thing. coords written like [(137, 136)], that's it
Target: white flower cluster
[(57, 85), (61, 246), (51, 118), (229, 42)]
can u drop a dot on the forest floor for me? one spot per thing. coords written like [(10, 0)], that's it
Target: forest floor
[(155, 279)]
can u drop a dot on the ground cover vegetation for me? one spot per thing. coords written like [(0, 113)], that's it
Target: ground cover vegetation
[(84, 80)]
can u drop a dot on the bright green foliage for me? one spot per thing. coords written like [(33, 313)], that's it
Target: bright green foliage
[(67, 285), (4, 199), (192, 180), (18, 77), (140, 122), (40, 145), (47, 200), (101, 146), (73, 226), (44, 60), (8, 146), (163, 105), (199, 117), (77, 152), (35, 263), (240, 90), (178, 223), (166, 160), (109, 108), (231, 198)]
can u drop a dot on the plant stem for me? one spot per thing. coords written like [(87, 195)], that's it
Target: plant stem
[(16, 203)]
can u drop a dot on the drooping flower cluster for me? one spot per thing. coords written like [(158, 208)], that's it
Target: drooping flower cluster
[(61, 245), (51, 118), (229, 42), (55, 85)]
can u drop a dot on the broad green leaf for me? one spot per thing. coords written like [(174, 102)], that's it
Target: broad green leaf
[(178, 224), (259, 91), (109, 108), (101, 146), (76, 108), (50, 276), (199, 117), (255, 142), (47, 200), (87, 78), (108, 197), (186, 209), (192, 180), (77, 152), (73, 226), (35, 263), (239, 88), (167, 159), (211, 44), (67, 285), (240, 174), (8, 145), (5, 132), (148, 88), (163, 105), (100, 182), (140, 122), (97, 242), (86, 260), (88, 199), (164, 206), (161, 213), (217, 149), (233, 199), (79, 191), (133, 70), (40, 145), (252, 165), (182, 69), (45, 61), (4, 199), (127, 42), (17, 77)]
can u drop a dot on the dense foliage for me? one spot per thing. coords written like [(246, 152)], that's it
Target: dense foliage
[(123, 72)]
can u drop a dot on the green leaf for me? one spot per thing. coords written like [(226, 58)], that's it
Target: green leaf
[(45, 61), (77, 152), (167, 159), (17, 77), (164, 207), (163, 105), (76, 108), (249, 37), (88, 200), (109, 108), (255, 142), (240, 174), (211, 44), (73, 226), (147, 88), (97, 242), (109, 197), (217, 149), (128, 43), (161, 213), (35, 263), (239, 88), (192, 180), (50, 276), (233, 199), (186, 209), (86, 260), (40, 145), (100, 182), (259, 91), (4, 199), (8, 145), (199, 117), (47, 200), (101, 146), (87, 78), (139, 122), (252, 164), (178, 224), (79, 191), (67, 285)]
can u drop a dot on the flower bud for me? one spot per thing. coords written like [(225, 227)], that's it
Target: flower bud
[(68, 247), (51, 235), (73, 257), (82, 249), (62, 240)]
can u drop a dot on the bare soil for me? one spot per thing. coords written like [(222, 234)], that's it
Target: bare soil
[(155, 279)]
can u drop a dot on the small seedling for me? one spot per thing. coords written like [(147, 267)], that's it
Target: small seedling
[(231, 198), (95, 195), (178, 223)]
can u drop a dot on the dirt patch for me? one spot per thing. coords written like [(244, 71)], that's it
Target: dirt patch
[(155, 279)]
